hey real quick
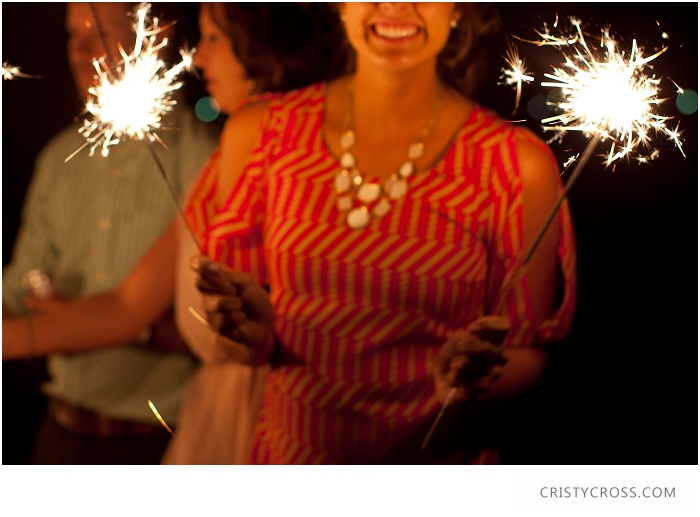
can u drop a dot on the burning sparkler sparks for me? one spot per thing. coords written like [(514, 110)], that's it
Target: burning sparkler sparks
[(607, 94), (129, 101), (516, 74), (9, 72)]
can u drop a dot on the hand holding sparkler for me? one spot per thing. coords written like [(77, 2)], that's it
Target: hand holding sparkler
[(469, 363), (238, 308), (471, 360)]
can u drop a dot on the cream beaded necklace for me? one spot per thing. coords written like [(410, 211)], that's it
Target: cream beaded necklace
[(375, 198)]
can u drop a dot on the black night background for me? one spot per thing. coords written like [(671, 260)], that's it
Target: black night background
[(623, 387)]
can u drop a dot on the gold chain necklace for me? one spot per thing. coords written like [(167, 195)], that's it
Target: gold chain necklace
[(375, 198)]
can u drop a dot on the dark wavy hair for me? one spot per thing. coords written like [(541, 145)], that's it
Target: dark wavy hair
[(283, 45), (462, 62)]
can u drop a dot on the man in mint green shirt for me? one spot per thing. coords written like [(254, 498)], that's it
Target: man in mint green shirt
[(87, 223)]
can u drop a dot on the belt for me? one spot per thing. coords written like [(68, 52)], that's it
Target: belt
[(86, 422)]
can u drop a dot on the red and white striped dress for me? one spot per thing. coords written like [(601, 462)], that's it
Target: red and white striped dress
[(362, 313)]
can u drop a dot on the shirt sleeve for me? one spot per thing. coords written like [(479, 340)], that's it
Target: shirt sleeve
[(508, 286), (33, 248)]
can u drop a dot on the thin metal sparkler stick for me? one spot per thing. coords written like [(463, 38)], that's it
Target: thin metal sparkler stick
[(102, 33), (450, 394), (174, 195), (595, 139), (592, 143)]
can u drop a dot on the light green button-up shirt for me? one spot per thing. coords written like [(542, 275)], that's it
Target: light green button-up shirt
[(88, 222)]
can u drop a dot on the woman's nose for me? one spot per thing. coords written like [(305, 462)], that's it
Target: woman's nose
[(199, 56), (394, 8)]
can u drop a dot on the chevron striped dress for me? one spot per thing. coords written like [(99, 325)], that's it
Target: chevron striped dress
[(360, 314)]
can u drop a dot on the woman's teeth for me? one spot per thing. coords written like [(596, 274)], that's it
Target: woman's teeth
[(394, 32)]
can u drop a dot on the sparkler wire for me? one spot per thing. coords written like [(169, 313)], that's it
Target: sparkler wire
[(569, 184), (595, 139), (450, 394), (174, 195), (102, 33)]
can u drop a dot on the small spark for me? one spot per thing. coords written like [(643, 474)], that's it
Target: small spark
[(675, 136), (130, 101), (516, 74), (9, 72), (160, 418), (679, 90), (570, 160)]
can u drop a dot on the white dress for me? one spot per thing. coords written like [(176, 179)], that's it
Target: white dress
[(221, 404)]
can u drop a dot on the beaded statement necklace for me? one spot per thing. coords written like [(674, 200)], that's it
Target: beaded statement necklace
[(375, 198)]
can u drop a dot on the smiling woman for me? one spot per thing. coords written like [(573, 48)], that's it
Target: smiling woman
[(388, 211)]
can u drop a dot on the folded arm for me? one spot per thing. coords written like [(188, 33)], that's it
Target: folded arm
[(109, 319)]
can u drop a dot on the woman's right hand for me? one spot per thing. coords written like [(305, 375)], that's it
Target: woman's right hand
[(237, 307), (471, 361)]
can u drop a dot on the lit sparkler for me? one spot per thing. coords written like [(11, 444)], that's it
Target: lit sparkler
[(9, 72), (129, 101), (607, 94), (608, 99), (516, 74), (611, 99)]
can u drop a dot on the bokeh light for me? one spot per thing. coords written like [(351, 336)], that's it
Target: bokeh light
[(206, 109), (687, 102), (538, 108)]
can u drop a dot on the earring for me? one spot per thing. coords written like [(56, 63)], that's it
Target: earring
[(453, 23)]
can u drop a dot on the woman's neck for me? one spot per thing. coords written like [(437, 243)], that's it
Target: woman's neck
[(400, 99)]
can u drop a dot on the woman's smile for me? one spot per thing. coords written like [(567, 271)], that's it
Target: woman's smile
[(395, 30)]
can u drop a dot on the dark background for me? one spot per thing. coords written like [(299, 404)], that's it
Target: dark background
[(622, 388)]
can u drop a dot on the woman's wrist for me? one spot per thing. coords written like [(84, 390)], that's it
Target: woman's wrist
[(18, 339), (31, 341)]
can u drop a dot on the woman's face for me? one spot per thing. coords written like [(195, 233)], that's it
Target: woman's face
[(223, 74), (398, 34)]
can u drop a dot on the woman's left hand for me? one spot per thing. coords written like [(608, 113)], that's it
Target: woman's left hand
[(471, 360), (237, 307)]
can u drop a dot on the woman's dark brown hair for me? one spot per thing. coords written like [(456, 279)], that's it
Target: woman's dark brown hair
[(461, 63), (283, 46)]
